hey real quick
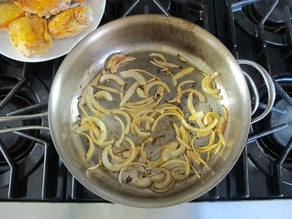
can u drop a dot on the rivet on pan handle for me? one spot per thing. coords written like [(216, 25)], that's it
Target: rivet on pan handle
[(269, 84)]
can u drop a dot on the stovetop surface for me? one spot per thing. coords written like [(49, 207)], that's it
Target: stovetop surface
[(30, 169)]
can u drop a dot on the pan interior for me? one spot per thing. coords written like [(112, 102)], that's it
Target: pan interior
[(199, 48)]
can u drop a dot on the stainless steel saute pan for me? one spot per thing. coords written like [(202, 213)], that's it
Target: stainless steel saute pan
[(138, 34)]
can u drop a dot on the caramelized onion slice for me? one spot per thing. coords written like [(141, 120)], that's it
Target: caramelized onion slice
[(201, 131), (181, 74), (108, 77), (188, 90), (115, 61), (117, 167), (135, 75), (129, 93), (153, 83)]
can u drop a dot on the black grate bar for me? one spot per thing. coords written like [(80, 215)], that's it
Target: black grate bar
[(136, 3), (16, 88), (160, 6), (273, 109), (13, 179), (254, 137), (239, 5), (38, 106), (269, 12), (131, 8), (277, 189), (283, 93), (285, 153), (45, 168), (244, 189), (232, 32), (263, 45), (288, 17)]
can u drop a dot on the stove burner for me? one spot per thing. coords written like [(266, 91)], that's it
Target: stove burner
[(274, 149), (19, 92), (277, 141), (17, 147), (275, 20), (268, 20)]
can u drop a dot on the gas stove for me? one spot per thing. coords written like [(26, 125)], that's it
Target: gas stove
[(258, 30)]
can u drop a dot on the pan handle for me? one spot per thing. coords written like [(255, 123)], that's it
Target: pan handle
[(270, 88), (22, 117)]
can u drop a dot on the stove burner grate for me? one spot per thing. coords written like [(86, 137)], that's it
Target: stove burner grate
[(20, 153), (273, 150), (267, 20)]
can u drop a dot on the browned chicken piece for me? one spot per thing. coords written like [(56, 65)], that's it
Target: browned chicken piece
[(71, 22), (29, 35), (44, 8), (9, 12)]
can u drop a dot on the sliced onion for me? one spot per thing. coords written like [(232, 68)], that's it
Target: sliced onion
[(179, 176), (186, 170), (143, 182), (117, 167), (165, 182), (163, 64), (195, 116), (91, 147), (188, 90), (196, 157), (207, 86), (174, 162), (179, 87), (166, 151), (171, 184), (209, 117), (181, 74), (181, 58), (142, 151), (201, 131), (118, 142), (106, 88), (141, 133), (173, 113), (116, 60), (96, 122), (158, 55), (104, 94), (141, 93), (126, 116), (210, 146), (115, 78), (144, 72), (139, 103), (135, 75), (140, 108), (148, 86), (129, 93)]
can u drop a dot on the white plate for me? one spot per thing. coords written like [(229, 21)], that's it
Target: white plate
[(60, 46)]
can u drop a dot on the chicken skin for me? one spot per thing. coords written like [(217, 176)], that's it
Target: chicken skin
[(71, 22), (9, 12), (29, 35), (43, 8)]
